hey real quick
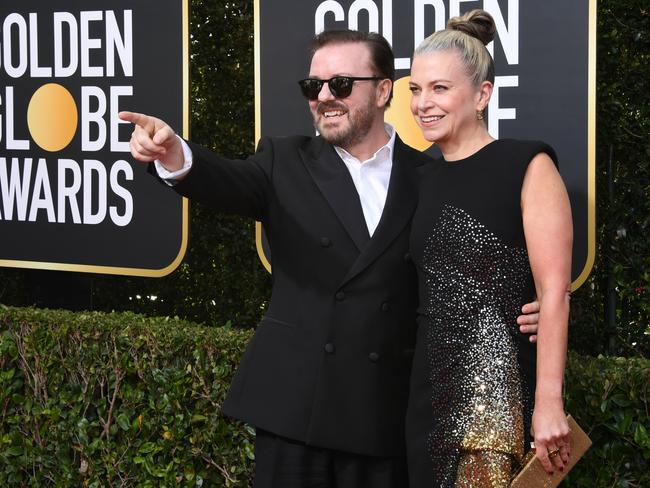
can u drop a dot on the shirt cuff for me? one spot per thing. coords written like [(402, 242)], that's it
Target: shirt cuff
[(171, 177)]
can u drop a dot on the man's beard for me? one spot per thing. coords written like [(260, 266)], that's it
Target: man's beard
[(359, 124)]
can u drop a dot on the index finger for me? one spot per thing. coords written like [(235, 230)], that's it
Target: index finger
[(135, 118)]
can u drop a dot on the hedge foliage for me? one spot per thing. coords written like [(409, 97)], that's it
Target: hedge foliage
[(623, 215), (610, 398), (117, 400), (120, 400)]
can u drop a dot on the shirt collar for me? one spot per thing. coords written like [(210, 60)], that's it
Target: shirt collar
[(386, 150)]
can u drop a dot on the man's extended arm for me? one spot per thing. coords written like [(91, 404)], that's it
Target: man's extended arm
[(230, 186)]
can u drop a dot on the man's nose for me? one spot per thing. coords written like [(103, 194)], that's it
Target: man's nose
[(325, 94)]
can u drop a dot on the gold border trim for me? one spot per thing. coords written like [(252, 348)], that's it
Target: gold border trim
[(591, 152), (260, 247), (258, 121), (258, 71), (89, 268), (151, 273)]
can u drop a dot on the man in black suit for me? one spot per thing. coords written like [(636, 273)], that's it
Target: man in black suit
[(325, 377)]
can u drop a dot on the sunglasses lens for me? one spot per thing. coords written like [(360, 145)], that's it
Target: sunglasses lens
[(311, 88), (340, 86)]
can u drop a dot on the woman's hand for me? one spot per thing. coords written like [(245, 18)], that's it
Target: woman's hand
[(551, 431)]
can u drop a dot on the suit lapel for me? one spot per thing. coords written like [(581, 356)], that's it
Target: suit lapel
[(398, 210), (335, 183)]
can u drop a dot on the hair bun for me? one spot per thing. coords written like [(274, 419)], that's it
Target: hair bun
[(477, 23)]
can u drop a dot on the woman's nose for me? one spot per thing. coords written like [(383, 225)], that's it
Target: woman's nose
[(425, 102)]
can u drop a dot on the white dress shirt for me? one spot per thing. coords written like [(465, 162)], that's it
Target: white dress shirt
[(370, 177), (170, 176)]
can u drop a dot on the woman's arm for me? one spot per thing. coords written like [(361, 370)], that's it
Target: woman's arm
[(548, 229)]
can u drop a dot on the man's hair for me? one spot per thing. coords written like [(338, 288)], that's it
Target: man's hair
[(381, 54)]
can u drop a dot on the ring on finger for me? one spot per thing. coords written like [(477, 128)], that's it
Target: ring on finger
[(553, 453)]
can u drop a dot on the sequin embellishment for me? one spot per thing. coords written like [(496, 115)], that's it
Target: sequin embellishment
[(474, 285)]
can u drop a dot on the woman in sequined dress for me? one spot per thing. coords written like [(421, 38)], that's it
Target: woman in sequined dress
[(493, 227)]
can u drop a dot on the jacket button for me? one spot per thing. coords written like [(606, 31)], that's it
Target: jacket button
[(340, 295), (329, 348), (373, 356), (325, 242), (407, 257), (385, 307)]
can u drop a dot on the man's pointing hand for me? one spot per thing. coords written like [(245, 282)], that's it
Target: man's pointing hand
[(153, 139)]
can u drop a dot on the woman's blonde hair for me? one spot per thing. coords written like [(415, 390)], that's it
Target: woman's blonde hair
[(467, 35)]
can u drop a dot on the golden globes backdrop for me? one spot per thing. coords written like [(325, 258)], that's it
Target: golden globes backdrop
[(544, 54), (72, 198)]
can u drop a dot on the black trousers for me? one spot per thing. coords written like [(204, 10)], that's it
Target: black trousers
[(285, 463)]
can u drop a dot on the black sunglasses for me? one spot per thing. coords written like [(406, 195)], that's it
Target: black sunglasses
[(340, 86)]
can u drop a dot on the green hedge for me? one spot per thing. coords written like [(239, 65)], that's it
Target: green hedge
[(609, 398), (107, 400), (623, 216), (95, 399)]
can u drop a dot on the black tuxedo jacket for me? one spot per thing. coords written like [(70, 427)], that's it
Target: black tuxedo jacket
[(329, 363)]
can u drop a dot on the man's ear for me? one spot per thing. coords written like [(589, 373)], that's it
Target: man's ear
[(384, 88)]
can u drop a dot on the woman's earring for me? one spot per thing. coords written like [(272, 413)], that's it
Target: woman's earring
[(479, 114)]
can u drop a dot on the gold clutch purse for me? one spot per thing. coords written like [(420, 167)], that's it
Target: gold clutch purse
[(532, 474)]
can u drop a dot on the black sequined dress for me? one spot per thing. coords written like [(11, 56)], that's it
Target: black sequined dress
[(473, 378)]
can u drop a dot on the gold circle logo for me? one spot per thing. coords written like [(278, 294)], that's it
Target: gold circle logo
[(52, 117), (399, 116)]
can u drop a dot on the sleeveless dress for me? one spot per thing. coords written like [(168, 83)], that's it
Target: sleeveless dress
[(473, 377)]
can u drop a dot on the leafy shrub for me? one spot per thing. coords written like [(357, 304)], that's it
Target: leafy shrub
[(99, 400), (609, 399), (94, 399), (623, 216)]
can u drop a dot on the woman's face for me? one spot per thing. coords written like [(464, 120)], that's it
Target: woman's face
[(444, 102)]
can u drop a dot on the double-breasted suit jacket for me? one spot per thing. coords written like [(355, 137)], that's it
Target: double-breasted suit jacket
[(329, 363)]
